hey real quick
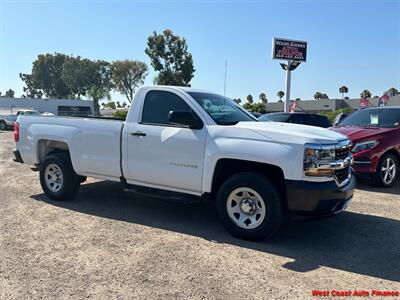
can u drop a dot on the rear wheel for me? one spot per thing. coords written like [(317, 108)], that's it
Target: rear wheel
[(249, 206), (58, 178), (387, 171), (3, 125)]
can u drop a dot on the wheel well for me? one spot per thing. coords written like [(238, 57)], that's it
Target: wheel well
[(45, 147), (225, 168), (394, 153)]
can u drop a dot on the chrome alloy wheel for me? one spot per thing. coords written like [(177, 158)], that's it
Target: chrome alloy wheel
[(53, 178), (246, 208), (388, 171)]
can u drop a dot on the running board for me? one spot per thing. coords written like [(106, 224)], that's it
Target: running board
[(163, 195)]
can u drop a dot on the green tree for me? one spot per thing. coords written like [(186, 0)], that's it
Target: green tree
[(365, 94), (324, 96), (248, 106), (46, 77), (127, 75), (170, 58), (249, 99), (343, 90), (100, 84), (393, 91), (259, 107), (110, 105), (263, 98), (319, 96), (10, 93), (31, 89), (237, 100), (77, 75), (280, 95)]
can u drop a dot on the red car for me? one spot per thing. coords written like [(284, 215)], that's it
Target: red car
[(375, 133)]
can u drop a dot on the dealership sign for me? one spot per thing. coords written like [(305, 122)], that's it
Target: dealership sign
[(289, 49)]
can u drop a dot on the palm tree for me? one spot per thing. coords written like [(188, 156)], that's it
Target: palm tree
[(343, 90), (280, 94), (249, 99), (238, 100), (263, 98), (365, 94)]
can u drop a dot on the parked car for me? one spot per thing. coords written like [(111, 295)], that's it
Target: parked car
[(182, 142), (375, 133), (255, 114), (7, 121), (297, 118), (339, 118)]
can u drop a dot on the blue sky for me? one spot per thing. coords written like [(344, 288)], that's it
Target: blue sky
[(355, 43)]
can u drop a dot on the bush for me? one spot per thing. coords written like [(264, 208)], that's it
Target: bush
[(120, 114), (332, 114)]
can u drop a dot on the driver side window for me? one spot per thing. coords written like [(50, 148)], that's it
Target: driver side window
[(158, 104)]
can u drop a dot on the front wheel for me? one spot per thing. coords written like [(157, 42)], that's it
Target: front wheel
[(58, 178), (249, 206), (387, 171)]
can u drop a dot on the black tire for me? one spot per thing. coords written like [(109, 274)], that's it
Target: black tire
[(3, 125), (270, 196), (70, 183), (378, 177)]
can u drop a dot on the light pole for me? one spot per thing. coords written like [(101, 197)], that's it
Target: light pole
[(288, 77)]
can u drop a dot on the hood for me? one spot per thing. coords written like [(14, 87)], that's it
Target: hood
[(285, 133), (360, 133)]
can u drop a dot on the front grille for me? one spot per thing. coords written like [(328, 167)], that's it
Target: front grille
[(342, 174), (342, 153)]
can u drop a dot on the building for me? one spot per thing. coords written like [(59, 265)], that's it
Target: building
[(60, 107), (317, 106)]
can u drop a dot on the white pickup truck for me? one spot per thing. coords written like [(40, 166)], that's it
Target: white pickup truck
[(180, 141)]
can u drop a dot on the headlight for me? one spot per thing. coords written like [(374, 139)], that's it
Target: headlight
[(364, 146), (318, 160)]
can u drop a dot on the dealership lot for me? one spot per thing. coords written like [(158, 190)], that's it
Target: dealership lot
[(110, 243)]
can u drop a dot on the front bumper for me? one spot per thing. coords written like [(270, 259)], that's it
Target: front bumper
[(318, 199)]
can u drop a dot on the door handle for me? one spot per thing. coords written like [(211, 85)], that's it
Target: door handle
[(138, 133)]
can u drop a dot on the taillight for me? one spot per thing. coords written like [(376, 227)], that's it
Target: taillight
[(16, 132)]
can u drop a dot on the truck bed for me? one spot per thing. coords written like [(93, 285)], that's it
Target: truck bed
[(94, 143)]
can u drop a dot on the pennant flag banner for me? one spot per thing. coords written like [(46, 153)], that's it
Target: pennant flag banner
[(364, 103)]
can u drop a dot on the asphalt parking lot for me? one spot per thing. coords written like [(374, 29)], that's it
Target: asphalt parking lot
[(110, 244)]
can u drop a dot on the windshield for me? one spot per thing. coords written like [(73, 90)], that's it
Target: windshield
[(222, 109), (274, 117), (378, 117)]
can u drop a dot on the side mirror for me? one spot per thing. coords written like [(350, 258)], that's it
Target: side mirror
[(178, 117)]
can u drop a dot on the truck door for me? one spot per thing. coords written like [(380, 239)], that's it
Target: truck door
[(161, 154)]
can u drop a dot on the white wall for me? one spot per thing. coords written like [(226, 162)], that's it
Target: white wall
[(41, 105)]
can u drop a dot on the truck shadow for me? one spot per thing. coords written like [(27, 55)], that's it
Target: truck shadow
[(353, 242), (365, 185)]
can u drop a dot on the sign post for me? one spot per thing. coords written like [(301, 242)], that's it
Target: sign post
[(294, 52)]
